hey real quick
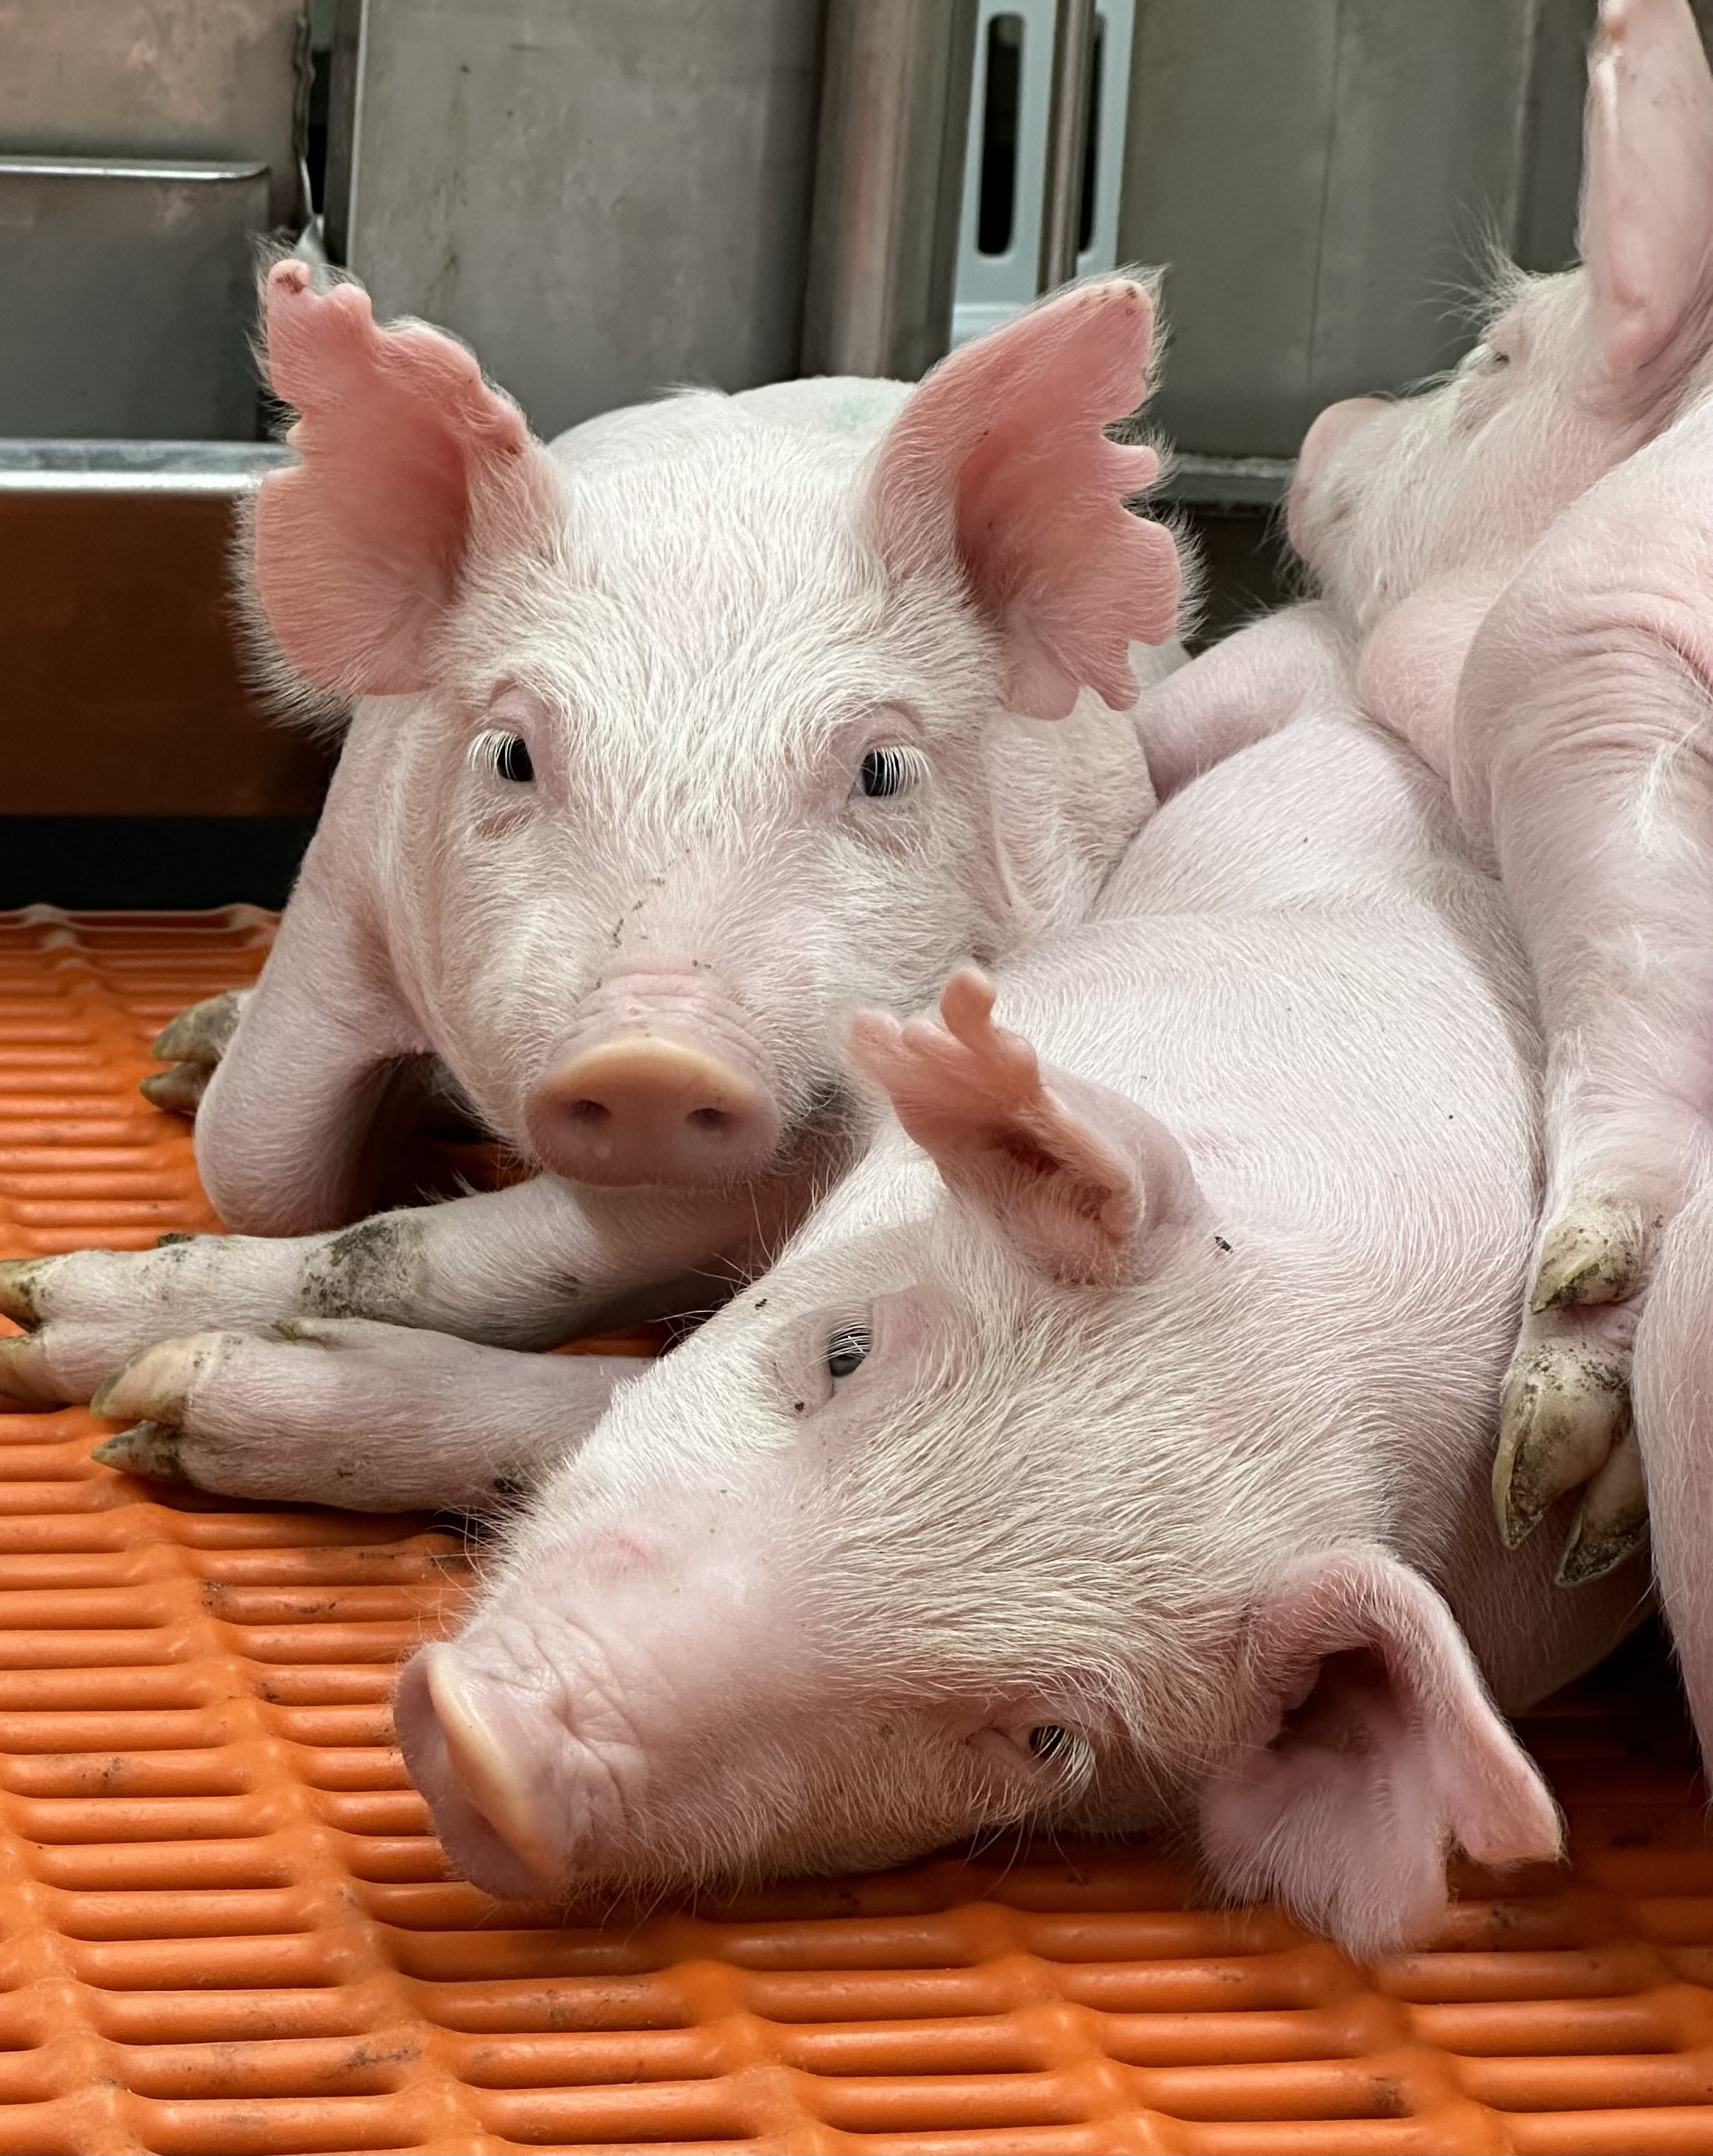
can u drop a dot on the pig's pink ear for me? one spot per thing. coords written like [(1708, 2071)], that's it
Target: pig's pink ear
[(1086, 1183), (408, 463), (1647, 220), (999, 463), (1376, 1747)]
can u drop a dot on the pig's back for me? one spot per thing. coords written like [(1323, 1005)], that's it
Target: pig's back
[(1297, 969)]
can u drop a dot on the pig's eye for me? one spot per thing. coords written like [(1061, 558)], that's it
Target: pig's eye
[(847, 1350), (885, 771), (506, 756)]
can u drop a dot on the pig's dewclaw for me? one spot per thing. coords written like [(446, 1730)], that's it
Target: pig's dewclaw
[(1565, 1405), (192, 1043), (1591, 1254), (17, 1301), (1612, 1520), (147, 1450)]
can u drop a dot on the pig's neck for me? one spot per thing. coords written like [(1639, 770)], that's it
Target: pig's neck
[(1407, 677)]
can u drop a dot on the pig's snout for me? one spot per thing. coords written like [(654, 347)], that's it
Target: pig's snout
[(462, 1755), (1335, 424), (663, 1088)]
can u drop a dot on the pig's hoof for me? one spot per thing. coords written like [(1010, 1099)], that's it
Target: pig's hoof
[(156, 1383), (192, 1043), (1612, 1520), (1592, 1254), (147, 1450), (202, 1034), (17, 1298), (24, 1380), (1565, 1405), (180, 1090)]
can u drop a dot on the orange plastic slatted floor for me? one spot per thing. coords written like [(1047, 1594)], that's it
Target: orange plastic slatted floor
[(227, 1928)]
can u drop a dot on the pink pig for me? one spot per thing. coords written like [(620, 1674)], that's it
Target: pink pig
[(1527, 557), (674, 746), (1111, 1445)]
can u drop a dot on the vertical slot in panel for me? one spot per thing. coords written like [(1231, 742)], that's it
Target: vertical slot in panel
[(1005, 168)]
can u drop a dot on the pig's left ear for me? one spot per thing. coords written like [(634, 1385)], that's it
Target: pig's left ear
[(1375, 1747), (999, 463), (1086, 1183), (1647, 218)]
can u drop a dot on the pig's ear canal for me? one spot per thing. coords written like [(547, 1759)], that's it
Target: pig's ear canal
[(1089, 1187), (411, 469), (1374, 1748), (1647, 219), (1000, 464)]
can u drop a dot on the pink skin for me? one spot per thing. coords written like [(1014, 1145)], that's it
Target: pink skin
[(778, 664), (1526, 559), (1111, 1445)]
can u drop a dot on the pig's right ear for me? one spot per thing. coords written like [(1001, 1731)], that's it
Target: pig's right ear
[(1000, 465), (409, 464), (1647, 219), (1089, 1187), (1374, 1747)]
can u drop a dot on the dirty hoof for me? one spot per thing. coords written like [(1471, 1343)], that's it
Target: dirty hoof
[(1565, 1406), (1612, 1520), (192, 1043), (147, 1450), (180, 1090), (17, 1279), (1592, 1254), (202, 1034)]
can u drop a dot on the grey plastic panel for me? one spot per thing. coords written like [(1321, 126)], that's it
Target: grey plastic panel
[(1320, 175), (603, 198), (129, 294), (200, 79)]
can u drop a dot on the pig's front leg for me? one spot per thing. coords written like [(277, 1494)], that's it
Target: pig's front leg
[(525, 1267), (1601, 788), (376, 1418), (1240, 692)]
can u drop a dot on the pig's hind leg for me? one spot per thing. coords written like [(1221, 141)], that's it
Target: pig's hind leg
[(376, 1418), (1602, 790)]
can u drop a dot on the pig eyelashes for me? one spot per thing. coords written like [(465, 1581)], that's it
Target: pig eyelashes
[(888, 771), (847, 1350), (502, 755)]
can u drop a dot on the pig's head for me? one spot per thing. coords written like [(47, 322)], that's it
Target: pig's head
[(676, 748), (1000, 1517), (1573, 372)]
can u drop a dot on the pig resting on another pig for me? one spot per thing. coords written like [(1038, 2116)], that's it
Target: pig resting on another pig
[(1112, 1445)]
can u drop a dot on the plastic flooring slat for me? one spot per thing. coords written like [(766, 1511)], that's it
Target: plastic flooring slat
[(226, 1928)]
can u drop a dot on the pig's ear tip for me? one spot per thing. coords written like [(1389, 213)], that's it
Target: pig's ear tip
[(291, 277)]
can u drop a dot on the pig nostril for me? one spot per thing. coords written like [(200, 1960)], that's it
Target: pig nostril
[(715, 1121), (592, 1112)]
